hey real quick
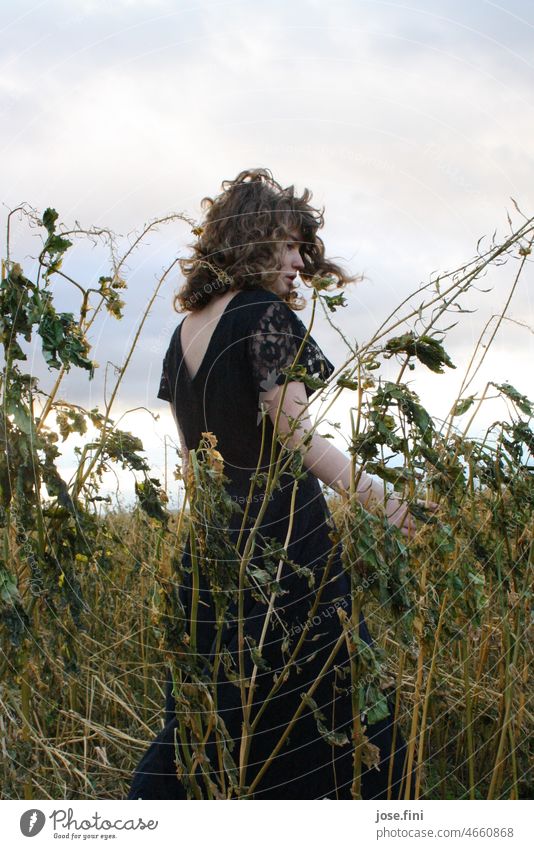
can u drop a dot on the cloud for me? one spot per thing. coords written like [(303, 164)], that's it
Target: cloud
[(412, 125)]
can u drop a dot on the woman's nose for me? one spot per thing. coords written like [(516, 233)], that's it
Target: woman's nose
[(298, 262)]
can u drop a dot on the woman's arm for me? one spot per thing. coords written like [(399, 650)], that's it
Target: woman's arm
[(322, 458)]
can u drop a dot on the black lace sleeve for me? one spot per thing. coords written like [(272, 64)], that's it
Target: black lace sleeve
[(274, 345)]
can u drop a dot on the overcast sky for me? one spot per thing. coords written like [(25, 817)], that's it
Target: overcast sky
[(412, 123)]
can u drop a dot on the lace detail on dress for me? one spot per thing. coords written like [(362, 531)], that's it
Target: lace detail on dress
[(274, 344)]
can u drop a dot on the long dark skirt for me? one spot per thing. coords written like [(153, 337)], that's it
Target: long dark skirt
[(306, 767)]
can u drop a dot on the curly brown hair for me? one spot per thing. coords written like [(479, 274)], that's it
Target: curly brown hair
[(238, 242)]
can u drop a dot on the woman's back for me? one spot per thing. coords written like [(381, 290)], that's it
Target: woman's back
[(217, 367), (197, 329)]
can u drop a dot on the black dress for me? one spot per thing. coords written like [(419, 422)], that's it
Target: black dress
[(256, 337)]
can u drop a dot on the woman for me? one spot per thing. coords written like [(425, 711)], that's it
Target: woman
[(225, 372)]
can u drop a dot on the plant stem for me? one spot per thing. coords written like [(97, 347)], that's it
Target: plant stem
[(296, 715), (426, 702)]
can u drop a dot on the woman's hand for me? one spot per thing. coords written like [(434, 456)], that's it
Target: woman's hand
[(398, 514)]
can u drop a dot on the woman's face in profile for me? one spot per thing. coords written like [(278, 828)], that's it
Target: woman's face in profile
[(291, 263)]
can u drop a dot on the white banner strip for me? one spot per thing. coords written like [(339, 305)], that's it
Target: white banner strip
[(276, 825)]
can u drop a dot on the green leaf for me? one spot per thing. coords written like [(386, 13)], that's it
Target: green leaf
[(463, 405), (15, 407), (298, 372), (428, 350), (378, 710), (57, 245), (321, 283), (70, 421), (150, 497), (333, 738), (8, 586), (50, 217), (257, 657), (334, 301), (395, 476), (519, 400), (409, 405), (347, 382)]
